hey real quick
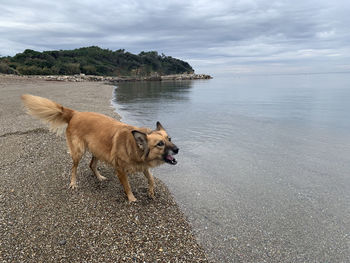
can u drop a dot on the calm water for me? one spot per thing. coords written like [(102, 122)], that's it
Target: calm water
[(264, 166)]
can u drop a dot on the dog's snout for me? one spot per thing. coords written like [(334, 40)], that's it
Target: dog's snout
[(175, 149)]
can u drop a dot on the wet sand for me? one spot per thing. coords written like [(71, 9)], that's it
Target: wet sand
[(41, 220)]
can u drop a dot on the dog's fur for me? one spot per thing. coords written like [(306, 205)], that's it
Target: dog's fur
[(127, 148)]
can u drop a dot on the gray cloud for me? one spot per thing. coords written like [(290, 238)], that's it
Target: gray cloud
[(225, 36)]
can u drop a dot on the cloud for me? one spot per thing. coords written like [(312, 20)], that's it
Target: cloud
[(211, 35)]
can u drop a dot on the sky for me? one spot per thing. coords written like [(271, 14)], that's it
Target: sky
[(215, 37)]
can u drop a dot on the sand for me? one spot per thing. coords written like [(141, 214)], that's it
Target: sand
[(41, 220)]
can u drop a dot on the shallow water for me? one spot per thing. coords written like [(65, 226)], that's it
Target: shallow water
[(264, 162)]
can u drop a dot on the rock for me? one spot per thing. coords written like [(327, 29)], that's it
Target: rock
[(110, 79), (62, 242)]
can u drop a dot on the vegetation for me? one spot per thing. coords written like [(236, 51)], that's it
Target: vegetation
[(92, 61)]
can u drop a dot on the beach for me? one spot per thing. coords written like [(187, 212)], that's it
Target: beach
[(42, 220)]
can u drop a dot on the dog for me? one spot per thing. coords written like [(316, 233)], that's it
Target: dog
[(127, 148)]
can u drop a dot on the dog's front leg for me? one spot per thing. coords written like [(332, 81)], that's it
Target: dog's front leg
[(124, 181), (150, 178)]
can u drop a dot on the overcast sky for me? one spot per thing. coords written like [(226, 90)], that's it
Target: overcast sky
[(216, 37)]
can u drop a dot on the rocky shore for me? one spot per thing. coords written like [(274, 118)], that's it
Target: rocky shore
[(83, 78), (41, 220)]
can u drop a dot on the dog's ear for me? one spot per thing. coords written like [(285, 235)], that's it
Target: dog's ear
[(141, 139), (159, 126)]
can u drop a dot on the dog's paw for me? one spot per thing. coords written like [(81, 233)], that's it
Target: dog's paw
[(132, 199), (73, 186), (101, 178), (151, 194)]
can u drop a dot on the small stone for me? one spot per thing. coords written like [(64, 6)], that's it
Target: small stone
[(62, 242)]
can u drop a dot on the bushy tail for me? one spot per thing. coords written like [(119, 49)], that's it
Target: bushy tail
[(48, 111)]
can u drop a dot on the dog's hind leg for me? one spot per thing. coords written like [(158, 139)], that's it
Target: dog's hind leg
[(93, 166), (124, 181), (150, 178), (77, 149)]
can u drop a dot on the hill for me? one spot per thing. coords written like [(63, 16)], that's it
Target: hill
[(92, 61)]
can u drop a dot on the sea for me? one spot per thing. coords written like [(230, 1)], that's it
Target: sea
[(263, 171)]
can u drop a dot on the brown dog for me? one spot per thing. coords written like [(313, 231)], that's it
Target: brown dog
[(127, 148)]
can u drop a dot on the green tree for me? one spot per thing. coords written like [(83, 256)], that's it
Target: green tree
[(93, 60)]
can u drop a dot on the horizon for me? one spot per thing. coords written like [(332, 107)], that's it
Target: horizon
[(222, 75), (247, 37)]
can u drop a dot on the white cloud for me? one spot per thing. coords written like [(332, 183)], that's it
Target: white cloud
[(212, 36)]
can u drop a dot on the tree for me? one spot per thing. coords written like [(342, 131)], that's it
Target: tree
[(93, 60)]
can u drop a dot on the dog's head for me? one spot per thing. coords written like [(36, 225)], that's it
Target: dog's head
[(156, 146)]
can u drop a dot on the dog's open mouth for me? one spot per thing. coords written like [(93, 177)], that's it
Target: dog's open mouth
[(170, 159)]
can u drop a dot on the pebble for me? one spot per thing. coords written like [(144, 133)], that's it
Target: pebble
[(62, 242), (90, 221)]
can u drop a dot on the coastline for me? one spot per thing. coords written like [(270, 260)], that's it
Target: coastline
[(109, 79), (42, 220)]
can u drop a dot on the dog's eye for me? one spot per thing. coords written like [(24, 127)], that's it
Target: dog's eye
[(169, 139), (161, 143)]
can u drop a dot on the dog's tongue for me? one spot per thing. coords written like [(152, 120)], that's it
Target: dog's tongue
[(170, 157)]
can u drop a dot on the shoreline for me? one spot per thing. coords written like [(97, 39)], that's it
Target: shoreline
[(110, 79), (42, 220)]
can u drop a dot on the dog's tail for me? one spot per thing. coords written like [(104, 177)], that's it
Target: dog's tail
[(48, 111)]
